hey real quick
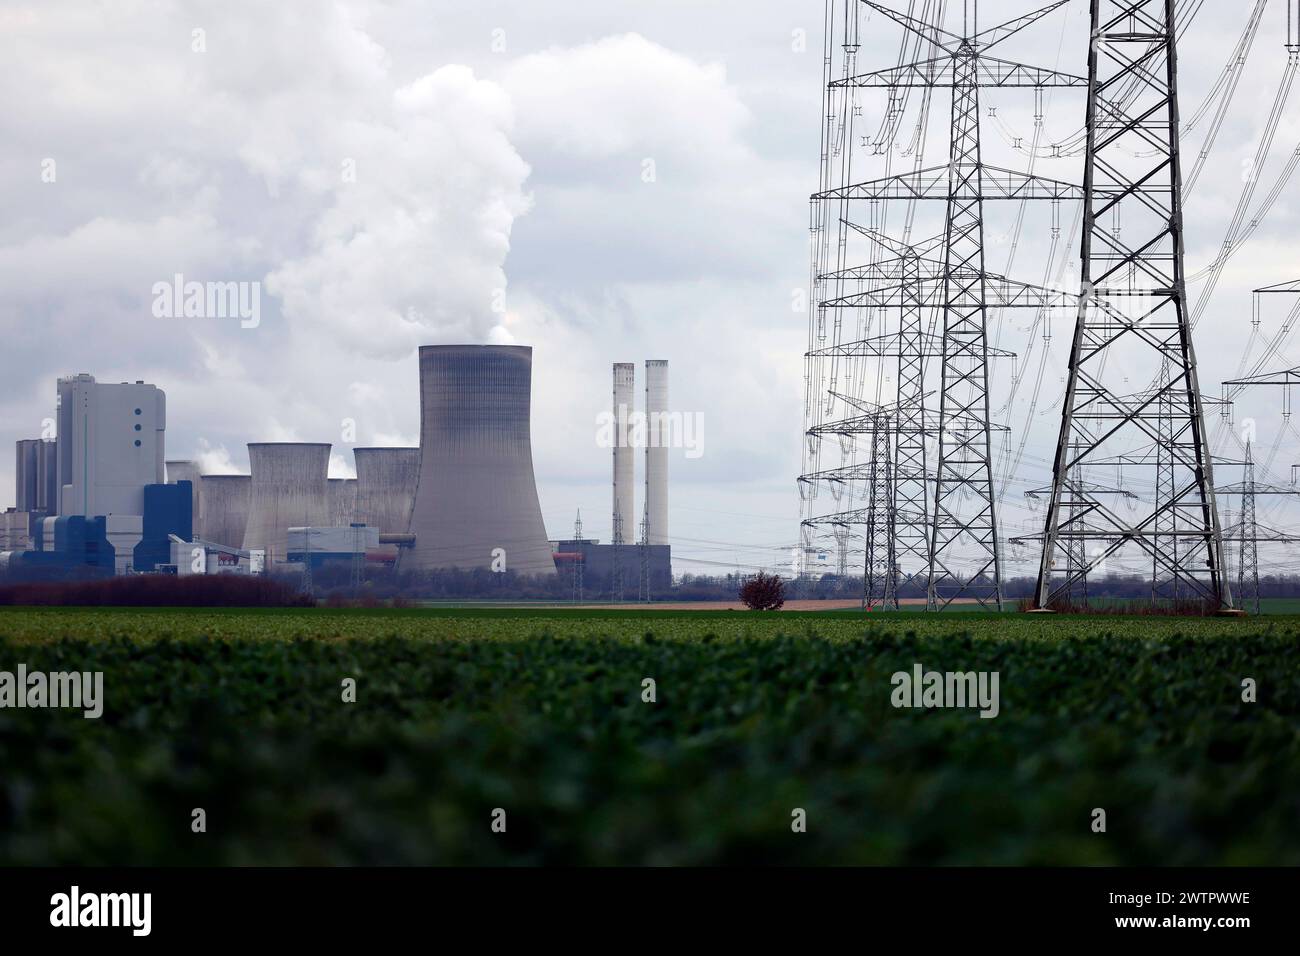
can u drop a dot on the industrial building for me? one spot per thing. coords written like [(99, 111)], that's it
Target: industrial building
[(110, 445), (206, 557), (16, 529), (317, 547), (476, 503), (109, 450), (604, 565), (189, 471), (36, 476)]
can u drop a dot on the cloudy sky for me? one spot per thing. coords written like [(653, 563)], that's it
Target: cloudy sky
[(605, 182)]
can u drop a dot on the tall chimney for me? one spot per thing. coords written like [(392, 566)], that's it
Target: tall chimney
[(625, 523), (658, 436)]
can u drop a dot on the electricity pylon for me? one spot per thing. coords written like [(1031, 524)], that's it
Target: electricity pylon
[(899, 280), (579, 569), (1132, 315), (881, 583), (1248, 567), (964, 514)]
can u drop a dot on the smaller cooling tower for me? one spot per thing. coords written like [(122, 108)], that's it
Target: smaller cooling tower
[(224, 509), (189, 471), (290, 489), (386, 479), (343, 501)]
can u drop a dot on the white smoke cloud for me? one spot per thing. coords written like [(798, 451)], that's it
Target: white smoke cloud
[(412, 252)]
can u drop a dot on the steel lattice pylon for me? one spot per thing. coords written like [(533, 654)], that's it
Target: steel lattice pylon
[(910, 536), (1133, 317), (964, 497), (1248, 565), (964, 518), (944, 515), (881, 580)]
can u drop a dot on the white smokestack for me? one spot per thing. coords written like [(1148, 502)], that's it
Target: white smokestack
[(625, 523), (656, 451)]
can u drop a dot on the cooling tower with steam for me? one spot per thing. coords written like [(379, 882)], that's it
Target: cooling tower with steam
[(189, 471), (624, 521), (658, 438), (224, 504), (476, 502), (290, 489), (386, 479)]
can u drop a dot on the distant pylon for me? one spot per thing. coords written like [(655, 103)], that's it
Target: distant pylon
[(1248, 566), (1133, 315), (578, 565), (616, 578), (643, 588), (358, 557), (881, 585)]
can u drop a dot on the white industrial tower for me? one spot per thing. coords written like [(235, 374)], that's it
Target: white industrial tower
[(658, 438), (624, 513)]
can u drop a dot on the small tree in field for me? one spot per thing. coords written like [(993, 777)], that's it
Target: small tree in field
[(763, 592)]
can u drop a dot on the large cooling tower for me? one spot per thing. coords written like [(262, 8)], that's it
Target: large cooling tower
[(290, 489), (189, 471), (658, 437), (224, 508), (386, 479), (624, 513), (343, 501), (476, 499)]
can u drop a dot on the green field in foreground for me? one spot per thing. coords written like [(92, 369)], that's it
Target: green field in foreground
[(539, 712)]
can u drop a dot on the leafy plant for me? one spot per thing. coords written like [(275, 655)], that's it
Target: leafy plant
[(541, 712)]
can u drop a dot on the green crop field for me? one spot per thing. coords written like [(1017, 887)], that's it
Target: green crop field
[(540, 713)]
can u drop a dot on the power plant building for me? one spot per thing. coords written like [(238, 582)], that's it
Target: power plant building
[(102, 498), (476, 503), (178, 471), (110, 445), (36, 485), (289, 489)]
